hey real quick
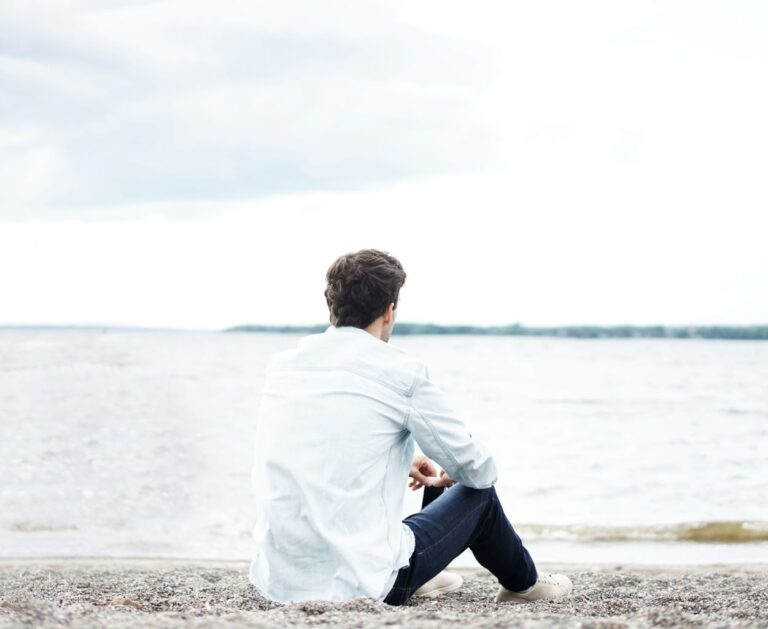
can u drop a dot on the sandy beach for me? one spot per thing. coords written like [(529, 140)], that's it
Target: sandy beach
[(176, 593)]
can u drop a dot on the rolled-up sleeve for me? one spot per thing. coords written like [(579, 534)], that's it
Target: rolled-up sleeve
[(443, 437)]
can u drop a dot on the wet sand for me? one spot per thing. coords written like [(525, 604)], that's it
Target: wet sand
[(184, 593)]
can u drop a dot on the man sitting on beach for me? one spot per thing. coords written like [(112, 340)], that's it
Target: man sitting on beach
[(335, 435)]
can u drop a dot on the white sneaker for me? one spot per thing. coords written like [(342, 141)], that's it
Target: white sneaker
[(440, 584), (547, 587)]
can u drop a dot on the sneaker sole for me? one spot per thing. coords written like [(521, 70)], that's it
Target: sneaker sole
[(443, 590), (511, 598)]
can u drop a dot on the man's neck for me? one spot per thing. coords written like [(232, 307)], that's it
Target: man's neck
[(376, 329)]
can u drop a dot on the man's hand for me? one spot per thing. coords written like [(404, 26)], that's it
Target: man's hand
[(424, 472)]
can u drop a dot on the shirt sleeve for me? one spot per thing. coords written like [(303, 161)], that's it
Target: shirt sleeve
[(443, 437)]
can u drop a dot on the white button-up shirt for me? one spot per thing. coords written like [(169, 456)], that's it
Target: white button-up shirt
[(334, 444)]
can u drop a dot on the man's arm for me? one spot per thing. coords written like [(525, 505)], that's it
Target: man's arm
[(442, 436)]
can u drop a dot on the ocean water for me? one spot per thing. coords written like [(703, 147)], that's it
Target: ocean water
[(126, 443)]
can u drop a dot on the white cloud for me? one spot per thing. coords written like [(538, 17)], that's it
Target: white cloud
[(544, 162), (188, 100)]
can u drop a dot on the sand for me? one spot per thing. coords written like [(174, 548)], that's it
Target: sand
[(174, 593)]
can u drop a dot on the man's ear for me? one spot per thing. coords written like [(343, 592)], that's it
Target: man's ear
[(389, 313)]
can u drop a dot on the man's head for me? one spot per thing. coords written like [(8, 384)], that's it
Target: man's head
[(362, 291)]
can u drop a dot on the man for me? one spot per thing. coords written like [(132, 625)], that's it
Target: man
[(338, 417)]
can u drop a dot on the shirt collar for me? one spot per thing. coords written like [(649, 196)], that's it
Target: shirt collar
[(348, 329)]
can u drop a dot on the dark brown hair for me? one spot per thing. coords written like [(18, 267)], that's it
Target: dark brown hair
[(361, 285)]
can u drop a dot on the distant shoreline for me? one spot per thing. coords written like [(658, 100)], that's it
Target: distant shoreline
[(747, 333), (715, 332)]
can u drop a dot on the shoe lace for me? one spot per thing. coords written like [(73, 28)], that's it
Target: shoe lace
[(548, 578)]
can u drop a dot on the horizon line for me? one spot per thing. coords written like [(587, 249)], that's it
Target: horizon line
[(300, 326)]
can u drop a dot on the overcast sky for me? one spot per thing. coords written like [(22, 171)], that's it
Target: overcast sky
[(197, 164)]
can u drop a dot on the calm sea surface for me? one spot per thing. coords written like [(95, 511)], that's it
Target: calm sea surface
[(121, 443)]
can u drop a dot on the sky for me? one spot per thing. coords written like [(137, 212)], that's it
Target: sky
[(200, 165)]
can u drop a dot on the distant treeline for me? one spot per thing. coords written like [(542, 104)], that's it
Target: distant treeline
[(752, 332)]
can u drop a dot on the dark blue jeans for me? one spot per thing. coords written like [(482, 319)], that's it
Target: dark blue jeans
[(449, 522)]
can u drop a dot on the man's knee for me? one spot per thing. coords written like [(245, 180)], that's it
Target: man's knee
[(487, 495), (485, 492), (475, 494)]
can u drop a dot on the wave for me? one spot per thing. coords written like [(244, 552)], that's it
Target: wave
[(718, 532), (733, 532), (39, 527)]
